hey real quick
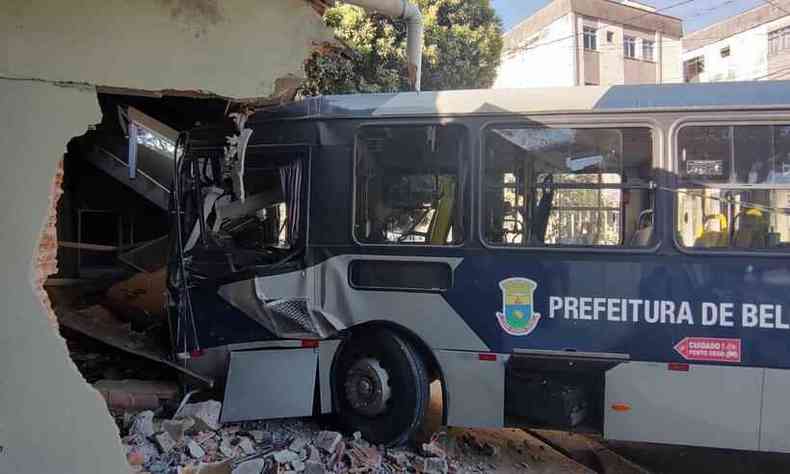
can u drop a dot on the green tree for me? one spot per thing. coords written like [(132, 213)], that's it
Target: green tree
[(463, 42)]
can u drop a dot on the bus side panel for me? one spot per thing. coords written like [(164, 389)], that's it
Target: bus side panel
[(709, 406), (475, 388), (775, 425)]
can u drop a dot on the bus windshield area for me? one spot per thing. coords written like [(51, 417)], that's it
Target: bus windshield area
[(240, 213), (568, 186)]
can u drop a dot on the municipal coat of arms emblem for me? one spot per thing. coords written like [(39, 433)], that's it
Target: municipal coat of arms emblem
[(518, 316)]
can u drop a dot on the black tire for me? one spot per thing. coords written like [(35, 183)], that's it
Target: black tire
[(408, 384)]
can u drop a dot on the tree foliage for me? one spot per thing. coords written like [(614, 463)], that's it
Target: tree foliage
[(463, 42)]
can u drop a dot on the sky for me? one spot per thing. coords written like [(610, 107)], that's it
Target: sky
[(695, 14)]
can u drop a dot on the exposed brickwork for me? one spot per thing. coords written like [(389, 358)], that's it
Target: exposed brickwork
[(46, 260)]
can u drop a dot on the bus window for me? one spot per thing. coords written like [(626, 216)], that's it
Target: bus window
[(568, 186), (735, 187), (410, 185)]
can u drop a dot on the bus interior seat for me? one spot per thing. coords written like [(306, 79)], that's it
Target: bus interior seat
[(442, 221), (644, 233), (710, 238), (543, 210), (751, 230)]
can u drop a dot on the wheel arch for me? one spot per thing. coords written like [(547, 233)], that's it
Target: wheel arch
[(423, 349)]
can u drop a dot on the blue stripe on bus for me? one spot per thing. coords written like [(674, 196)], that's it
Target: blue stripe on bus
[(476, 296)]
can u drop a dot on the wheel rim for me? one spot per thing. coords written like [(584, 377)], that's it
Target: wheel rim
[(367, 387)]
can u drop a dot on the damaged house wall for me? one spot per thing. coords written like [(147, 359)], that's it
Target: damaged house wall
[(234, 48), (50, 419)]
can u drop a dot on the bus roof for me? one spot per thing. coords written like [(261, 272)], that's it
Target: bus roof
[(721, 95)]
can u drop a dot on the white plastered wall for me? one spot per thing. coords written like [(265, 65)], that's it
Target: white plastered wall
[(229, 48), (547, 62), (748, 57), (51, 421)]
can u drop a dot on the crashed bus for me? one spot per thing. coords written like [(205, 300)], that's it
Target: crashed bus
[(594, 259)]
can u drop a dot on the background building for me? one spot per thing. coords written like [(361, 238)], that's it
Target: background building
[(754, 45), (591, 42)]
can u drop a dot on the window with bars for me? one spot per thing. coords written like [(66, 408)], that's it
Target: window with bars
[(546, 186), (590, 38), (693, 68), (648, 50), (629, 47), (779, 40)]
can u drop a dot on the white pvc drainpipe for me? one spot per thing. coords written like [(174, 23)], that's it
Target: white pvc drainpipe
[(410, 13)]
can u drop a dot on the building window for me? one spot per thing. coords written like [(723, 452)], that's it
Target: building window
[(779, 40), (410, 183), (610, 36), (648, 50), (629, 46), (590, 38), (733, 191), (558, 187), (725, 52), (693, 68)]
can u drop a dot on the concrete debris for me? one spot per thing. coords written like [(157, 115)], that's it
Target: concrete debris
[(433, 449), (364, 459), (286, 456), (434, 466), (253, 466), (297, 444), (298, 466), (246, 446), (143, 424), (336, 458), (227, 448), (205, 414), (257, 435), (195, 450), (328, 440), (177, 428), (314, 467), (186, 445), (165, 442)]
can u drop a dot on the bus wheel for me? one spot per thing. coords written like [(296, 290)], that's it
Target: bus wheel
[(381, 387)]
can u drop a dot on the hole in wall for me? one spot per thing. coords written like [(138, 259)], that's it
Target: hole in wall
[(102, 256)]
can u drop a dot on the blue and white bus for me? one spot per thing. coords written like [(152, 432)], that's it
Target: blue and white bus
[(609, 259)]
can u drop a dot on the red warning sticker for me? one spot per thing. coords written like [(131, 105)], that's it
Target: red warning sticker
[(710, 349)]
